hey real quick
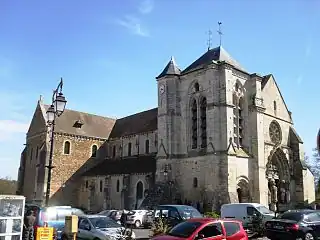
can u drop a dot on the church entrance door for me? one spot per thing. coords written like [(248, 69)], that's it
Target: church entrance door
[(243, 190), (277, 173)]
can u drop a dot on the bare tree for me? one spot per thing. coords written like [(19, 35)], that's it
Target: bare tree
[(313, 164), (8, 186)]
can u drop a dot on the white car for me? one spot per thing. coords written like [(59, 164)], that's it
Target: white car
[(100, 227), (137, 218)]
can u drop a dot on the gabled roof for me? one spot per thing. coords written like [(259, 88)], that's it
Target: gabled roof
[(170, 69), (264, 82), (138, 123), (215, 54), (93, 125)]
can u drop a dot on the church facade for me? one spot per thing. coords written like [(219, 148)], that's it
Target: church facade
[(218, 135)]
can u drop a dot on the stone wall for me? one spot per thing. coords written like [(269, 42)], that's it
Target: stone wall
[(66, 165)]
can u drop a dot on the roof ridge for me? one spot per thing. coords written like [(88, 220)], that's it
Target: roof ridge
[(86, 113), (152, 109)]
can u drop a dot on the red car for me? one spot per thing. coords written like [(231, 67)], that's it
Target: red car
[(206, 228)]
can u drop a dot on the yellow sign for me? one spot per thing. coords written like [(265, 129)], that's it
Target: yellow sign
[(44, 233)]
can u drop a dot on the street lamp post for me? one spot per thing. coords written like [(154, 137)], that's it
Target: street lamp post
[(56, 108)]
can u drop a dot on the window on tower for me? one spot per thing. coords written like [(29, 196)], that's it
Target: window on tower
[(275, 107), (147, 146), (196, 87), (129, 148), (203, 122), (114, 151), (194, 123), (238, 120)]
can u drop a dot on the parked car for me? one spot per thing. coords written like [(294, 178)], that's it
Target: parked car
[(137, 218), (175, 214), (53, 216), (206, 228), (294, 224), (98, 227), (245, 212)]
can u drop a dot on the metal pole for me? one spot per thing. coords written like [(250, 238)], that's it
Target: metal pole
[(50, 164)]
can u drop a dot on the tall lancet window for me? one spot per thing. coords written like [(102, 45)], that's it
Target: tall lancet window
[(194, 123), (203, 122), (240, 123), (238, 118)]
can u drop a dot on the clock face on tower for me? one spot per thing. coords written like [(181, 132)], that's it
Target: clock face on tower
[(161, 89)]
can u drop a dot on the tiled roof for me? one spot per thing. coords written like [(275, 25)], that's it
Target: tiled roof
[(134, 164), (138, 123), (215, 54), (92, 125), (170, 69)]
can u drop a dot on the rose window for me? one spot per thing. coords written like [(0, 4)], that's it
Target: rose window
[(275, 132)]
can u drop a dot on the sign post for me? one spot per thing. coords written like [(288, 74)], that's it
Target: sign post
[(71, 226), (44, 233)]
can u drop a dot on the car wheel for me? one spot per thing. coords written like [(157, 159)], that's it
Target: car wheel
[(137, 224), (308, 236)]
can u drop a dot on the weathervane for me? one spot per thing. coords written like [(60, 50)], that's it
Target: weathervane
[(209, 39), (220, 32)]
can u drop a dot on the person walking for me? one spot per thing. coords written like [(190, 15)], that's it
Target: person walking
[(28, 230)]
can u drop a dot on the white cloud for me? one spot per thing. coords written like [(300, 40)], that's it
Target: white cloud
[(146, 6), (133, 25)]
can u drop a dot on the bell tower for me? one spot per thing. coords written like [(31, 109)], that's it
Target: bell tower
[(169, 114)]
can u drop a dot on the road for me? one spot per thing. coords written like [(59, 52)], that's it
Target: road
[(142, 233)]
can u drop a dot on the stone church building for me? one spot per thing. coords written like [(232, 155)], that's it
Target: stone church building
[(219, 134)]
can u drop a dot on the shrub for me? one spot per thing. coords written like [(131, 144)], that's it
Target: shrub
[(211, 215), (124, 234), (159, 226)]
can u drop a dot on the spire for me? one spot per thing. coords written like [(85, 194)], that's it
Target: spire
[(170, 69)]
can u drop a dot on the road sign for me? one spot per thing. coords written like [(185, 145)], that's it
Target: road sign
[(44, 233)]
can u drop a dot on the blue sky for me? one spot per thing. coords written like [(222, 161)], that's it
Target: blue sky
[(109, 53)]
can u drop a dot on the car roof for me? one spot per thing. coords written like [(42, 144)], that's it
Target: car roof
[(175, 205), (206, 220), (94, 216)]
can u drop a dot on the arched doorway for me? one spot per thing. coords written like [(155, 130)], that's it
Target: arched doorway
[(278, 176), (139, 193), (243, 190)]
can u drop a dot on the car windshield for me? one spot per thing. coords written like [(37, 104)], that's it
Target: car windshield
[(264, 210), (295, 216), (188, 212), (184, 229), (104, 222)]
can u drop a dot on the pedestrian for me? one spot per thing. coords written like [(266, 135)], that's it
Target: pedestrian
[(123, 219), (28, 224)]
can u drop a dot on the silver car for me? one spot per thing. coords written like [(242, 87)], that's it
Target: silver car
[(99, 227)]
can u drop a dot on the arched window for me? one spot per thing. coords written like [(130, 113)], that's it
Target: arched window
[(195, 182), (66, 149), (118, 185), (87, 184), (94, 150), (238, 120), (194, 123), (139, 190), (196, 87), (241, 119), (203, 122), (114, 151), (129, 148), (275, 107), (101, 186), (147, 146)]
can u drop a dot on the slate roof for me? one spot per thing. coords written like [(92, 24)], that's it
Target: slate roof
[(93, 125), (215, 54), (126, 165), (138, 123), (170, 69)]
